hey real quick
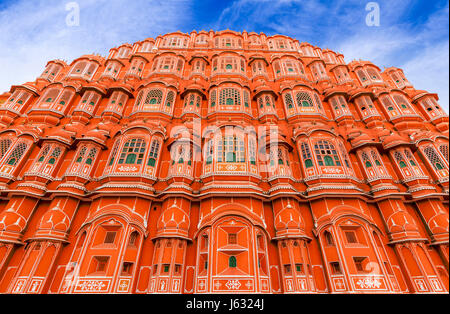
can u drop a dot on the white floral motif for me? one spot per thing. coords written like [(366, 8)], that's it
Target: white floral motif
[(233, 284), (369, 283), (92, 285)]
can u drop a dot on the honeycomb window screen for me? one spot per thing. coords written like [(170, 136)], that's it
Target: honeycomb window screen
[(258, 68), (304, 100), (290, 67), (373, 74), (43, 153), (398, 80), (400, 160), (153, 96), (433, 157), (410, 157), (119, 99), (13, 97), (246, 99), (318, 101), (388, 104), (344, 155), (289, 101), (326, 154), (170, 99), (5, 144), (78, 68), (180, 64), (189, 100), (17, 153), (363, 77), (65, 98), (81, 154), (133, 152), (261, 102), (213, 98), (376, 158), (230, 96), (91, 70), (154, 153), (306, 155), (50, 97), (91, 156), (277, 68), (114, 152), (54, 155), (138, 99), (401, 102), (89, 101), (366, 160), (443, 148)]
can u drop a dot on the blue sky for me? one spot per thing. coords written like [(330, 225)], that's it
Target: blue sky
[(413, 34)]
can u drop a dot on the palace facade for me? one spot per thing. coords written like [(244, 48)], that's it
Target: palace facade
[(222, 162)]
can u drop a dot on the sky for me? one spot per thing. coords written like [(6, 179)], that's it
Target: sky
[(412, 34)]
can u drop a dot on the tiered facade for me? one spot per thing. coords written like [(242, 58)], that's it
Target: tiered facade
[(217, 162)]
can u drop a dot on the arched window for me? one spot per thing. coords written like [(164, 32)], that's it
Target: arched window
[(304, 100), (306, 154), (230, 96), (252, 151), (326, 154), (154, 152), (114, 152), (328, 238), (153, 96), (170, 99), (209, 152), (134, 237), (433, 158), (4, 146), (91, 156), (232, 262), (443, 148), (118, 101), (133, 152), (231, 149), (17, 153), (289, 101)]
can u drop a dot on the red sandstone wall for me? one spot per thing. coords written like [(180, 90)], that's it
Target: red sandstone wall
[(336, 182)]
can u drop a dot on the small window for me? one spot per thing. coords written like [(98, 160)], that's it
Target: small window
[(166, 268), (335, 268), (127, 268), (299, 268), (177, 270), (360, 263), (329, 238), (232, 262), (232, 238), (351, 237), (287, 269), (110, 237), (102, 263), (133, 238)]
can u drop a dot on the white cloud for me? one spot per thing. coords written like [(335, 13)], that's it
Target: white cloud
[(429, 71), (420, 50), (34, 32)]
